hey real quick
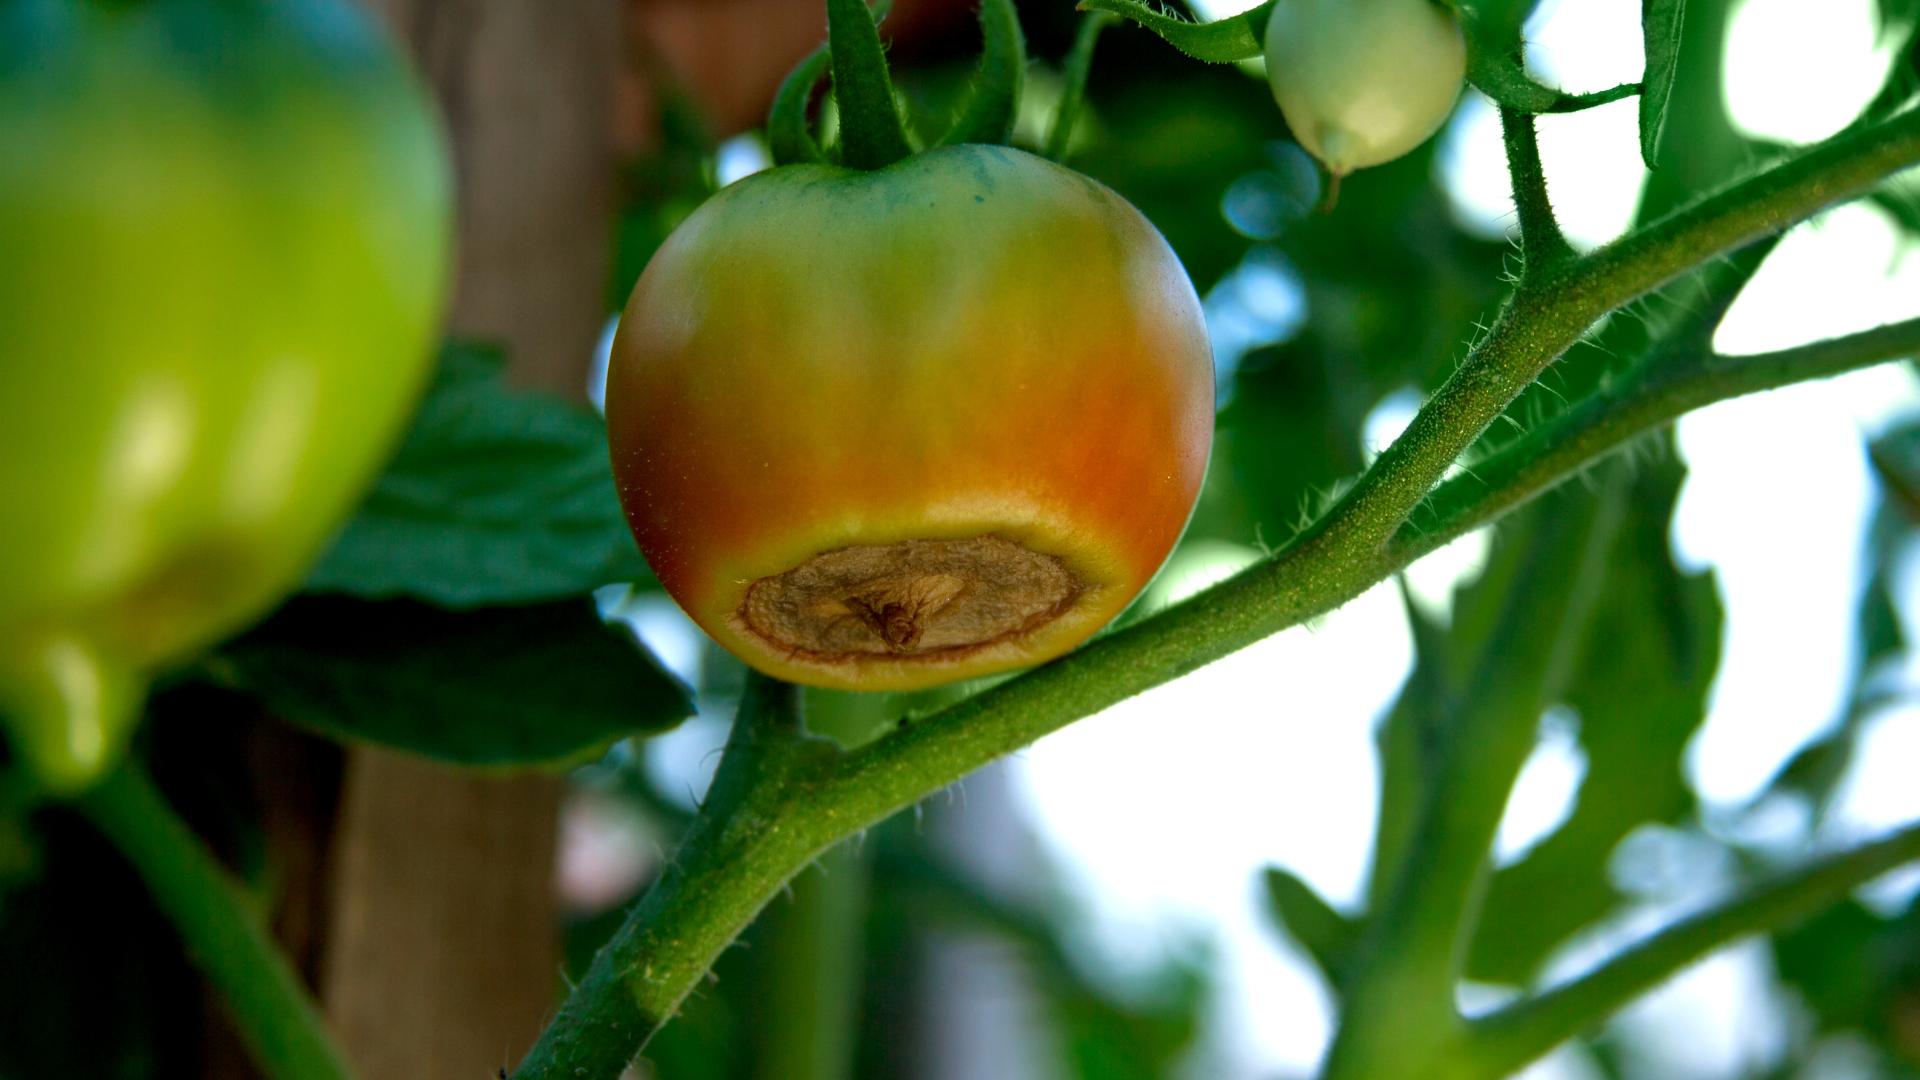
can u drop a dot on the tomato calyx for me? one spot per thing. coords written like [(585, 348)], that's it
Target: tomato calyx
[(871, 133), (912, 598)]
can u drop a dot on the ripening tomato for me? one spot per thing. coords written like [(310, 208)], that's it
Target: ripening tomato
[(1362, 82), (882, 430), (223, 248)]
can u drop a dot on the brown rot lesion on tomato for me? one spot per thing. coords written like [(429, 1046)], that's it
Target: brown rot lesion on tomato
[(914, 598), (937, 350)]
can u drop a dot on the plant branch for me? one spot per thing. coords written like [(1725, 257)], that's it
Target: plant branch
[(1542, 244), (786, 799), (1657, 392), (742, 848), (1524, 1031), (1400, 1017), (1842, 168), (276, 1017)]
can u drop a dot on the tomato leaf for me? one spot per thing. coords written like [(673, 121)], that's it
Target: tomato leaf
[(1849, 966), (870, 133), (1328, 936), (1640, 690), (1237, 37), (495, 497), (505, 686), (1660, 22)]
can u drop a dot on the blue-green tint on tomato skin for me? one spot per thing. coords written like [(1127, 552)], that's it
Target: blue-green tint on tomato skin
[(224, 238), (969, 342)]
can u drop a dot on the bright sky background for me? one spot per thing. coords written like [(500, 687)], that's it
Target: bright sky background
[(1163, 810)]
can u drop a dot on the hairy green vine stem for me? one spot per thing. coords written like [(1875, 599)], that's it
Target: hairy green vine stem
[(1542, 244), (1648, 398), (263, 995), (746, 844), (782, 797)]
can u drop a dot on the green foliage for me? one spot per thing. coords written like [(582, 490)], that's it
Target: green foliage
[(538, 684), (1640, 691), (495, 497), (450, 619), (1660, 22), (1850, 963), (1237, 37), (1327, 935)]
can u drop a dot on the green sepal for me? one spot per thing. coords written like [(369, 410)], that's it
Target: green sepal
[(788, 138), (1079, 64), (871, 135), (1660, 22), (1223, 41), (993, 99), (534, 685)]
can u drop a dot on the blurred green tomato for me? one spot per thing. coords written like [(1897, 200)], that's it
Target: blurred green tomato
[(1362, 82), (223, 247)]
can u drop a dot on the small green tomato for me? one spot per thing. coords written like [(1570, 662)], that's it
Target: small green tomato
[(1362, 82)]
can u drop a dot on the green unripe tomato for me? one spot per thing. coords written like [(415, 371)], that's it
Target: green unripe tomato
[(1362, 82), (223, 250)]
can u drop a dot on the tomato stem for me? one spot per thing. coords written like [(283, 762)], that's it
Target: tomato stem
[(1542, 245), (871, 136), (216, 922)]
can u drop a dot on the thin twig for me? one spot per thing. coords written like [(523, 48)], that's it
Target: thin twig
[(271, 1008), (1646, 399), (1542, 244), (1524, 1031)]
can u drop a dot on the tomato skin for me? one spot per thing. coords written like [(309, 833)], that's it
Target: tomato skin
[(971, 341), (223, 250), (1362, 82)]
